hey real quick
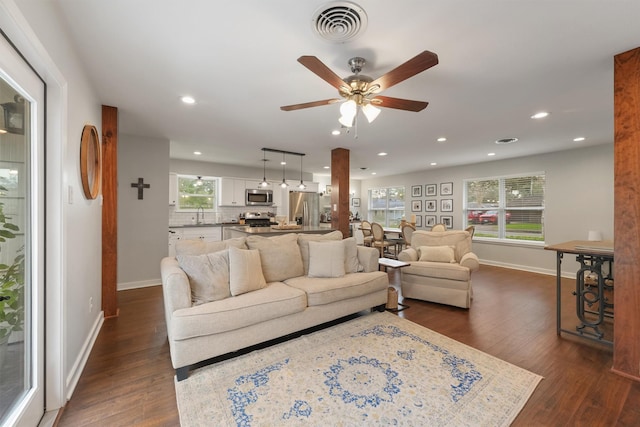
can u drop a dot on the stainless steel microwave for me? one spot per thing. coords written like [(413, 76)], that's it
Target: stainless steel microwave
[(259, 197)]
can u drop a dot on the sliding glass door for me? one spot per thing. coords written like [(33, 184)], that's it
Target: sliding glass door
[(21, 243)]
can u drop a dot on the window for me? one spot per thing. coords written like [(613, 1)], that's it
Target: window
[(386, 206), (197, 192), (509, 208)]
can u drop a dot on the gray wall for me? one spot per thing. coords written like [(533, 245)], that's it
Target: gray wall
[(142, 224), (579, 198)]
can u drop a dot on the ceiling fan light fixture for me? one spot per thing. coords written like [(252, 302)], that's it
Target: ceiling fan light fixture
[(348, 109), (370, 112)]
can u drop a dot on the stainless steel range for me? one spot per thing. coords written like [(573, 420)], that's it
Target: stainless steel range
[(257, 219)]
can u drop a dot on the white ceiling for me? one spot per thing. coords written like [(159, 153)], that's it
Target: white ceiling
[(500, 62)]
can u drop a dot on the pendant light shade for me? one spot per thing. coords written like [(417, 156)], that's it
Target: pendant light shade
[(283, 184), (264, 182), (301, 186)]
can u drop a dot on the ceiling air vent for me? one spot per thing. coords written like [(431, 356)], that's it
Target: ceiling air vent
[(505, 141), (339, 21)]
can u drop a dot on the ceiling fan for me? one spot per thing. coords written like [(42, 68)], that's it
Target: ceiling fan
[(361, 91)]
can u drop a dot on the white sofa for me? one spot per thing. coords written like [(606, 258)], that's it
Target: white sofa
[(441, 267), (216, 302)]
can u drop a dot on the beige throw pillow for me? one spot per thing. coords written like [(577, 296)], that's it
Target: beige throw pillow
[(245, 271), (326, 259), (208, 276), (437, 254), (351, 262), (280, 256), (303, 243)]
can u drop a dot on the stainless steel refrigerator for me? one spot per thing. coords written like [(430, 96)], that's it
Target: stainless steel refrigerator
[(304, 208)]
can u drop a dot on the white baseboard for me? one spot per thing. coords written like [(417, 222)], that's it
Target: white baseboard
[(81, 361), (547, 271), (139, 284)]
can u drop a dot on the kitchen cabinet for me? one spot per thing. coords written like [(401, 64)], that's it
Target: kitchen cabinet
[(252, 185), (173, 189), (231, 192)]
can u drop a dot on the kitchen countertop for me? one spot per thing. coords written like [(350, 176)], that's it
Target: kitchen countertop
[(270, 231), (217, 224)]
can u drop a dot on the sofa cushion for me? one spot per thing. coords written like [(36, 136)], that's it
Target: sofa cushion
[(280, 256), (303, 244), (440, 270), (437, 254), (208, 276), (198, 247), (276, 300), (322, 291), (326, 259), (245, 271)]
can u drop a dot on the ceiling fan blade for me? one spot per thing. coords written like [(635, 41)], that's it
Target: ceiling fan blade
[(398, 103), (415, 65), (310, 104), (317, 67)]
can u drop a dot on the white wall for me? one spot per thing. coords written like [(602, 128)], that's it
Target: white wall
[(142, 224), (73, 223), (578, 198)]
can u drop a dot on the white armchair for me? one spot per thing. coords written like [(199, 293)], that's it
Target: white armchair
[(441, 266)]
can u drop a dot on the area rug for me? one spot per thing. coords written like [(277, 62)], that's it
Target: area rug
[(377, 369)]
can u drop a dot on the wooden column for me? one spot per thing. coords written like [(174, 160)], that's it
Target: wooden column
[(626, 335), (109, 211), (340, 190)]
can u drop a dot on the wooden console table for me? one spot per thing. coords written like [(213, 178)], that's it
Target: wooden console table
[(591, 255)]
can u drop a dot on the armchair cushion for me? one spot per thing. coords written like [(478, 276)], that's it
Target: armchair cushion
[(437, 254)]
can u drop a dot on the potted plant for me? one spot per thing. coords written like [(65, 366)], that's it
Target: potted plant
[(11, 286)]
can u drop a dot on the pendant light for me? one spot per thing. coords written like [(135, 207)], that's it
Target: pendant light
[(301, 186), (198, 182), (284, 182), (264, 182)]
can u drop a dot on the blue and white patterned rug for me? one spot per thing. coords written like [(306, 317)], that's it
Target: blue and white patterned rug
[(374, 370)]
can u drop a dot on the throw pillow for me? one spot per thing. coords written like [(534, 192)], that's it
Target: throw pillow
[(326, 259), (280, 256), (245, 271), (351, 262), (437, 254), (303, 243), (208, 276)]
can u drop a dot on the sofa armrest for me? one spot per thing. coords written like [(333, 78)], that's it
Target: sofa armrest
[(408, 255), (175, 287), (368, 258), (471, 261)]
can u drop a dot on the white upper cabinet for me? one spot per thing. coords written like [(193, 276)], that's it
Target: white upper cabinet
[(231, 192)]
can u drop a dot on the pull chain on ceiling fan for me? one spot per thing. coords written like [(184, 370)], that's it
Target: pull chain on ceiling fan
[(360, 92)]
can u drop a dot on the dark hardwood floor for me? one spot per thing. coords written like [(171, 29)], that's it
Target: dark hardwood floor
[(128, 380)]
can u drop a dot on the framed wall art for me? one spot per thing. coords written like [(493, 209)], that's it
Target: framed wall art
[(446, 188), (447, 220), (430, 205), (355, 202), (430, 220), (416, 206), (418, 220), (430, 190), (446, 205), (416, 191)]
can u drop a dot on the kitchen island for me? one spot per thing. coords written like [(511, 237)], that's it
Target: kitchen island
[(244, 231)]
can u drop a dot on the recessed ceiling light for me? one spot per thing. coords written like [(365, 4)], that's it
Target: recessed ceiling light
[(491, 154), (327, 167), (382, 153), (580, 138), (504, 141), (283, 163), (335, 132), (433, 163), (373, 173), (540, 115), (197, 153), (442, 139), (188, 100)]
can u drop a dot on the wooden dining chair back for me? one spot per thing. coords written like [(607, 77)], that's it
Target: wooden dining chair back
[(439, 227), (365, 226), (471, 229), (407, 232), (378, 241)]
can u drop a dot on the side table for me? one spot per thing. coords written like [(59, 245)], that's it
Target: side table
[(393, 263)]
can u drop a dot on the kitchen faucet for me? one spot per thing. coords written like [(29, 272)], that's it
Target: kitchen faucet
[(198, 215)]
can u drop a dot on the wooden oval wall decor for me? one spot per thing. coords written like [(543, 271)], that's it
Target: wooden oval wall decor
[(90, 165)]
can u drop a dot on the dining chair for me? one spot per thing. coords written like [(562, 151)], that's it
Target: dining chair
[(378, 240), (407, 232), (365, 226), (439, 227)]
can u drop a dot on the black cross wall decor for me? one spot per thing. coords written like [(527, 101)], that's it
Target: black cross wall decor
[(140, 185)]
